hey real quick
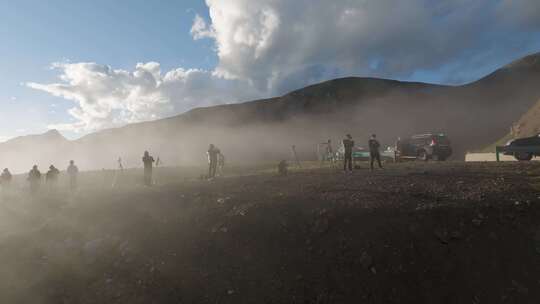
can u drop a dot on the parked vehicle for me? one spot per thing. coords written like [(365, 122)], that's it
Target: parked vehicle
[(532, 142), (425, 147)]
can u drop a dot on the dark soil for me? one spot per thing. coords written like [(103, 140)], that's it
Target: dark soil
[(412, 233)]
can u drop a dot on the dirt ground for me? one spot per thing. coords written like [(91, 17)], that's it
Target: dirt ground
[(413, 233)]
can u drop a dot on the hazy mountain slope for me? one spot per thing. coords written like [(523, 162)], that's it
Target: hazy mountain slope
[(21, 153), (473, 115), (528, 124)]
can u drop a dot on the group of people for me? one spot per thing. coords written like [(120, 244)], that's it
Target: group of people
[(34, 177), (216, 163), (374, 153)]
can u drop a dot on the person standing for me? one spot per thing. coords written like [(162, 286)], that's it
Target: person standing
[(72, 172), (212, 153), (348, 144), (374, 153), (148, 162), (6, 177), (34, 177), (51, 177)]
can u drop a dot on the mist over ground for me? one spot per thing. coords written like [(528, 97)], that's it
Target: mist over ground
[(473, 116)]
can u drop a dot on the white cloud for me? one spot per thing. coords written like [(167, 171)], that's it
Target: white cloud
[(107, 97), (283, 44), (268, 47), (200, 29)]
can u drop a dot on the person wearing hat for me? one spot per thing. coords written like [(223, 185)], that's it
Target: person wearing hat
[(52, 175), (348, 145)]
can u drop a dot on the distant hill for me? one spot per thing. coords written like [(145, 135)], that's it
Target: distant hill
[(527, 125), (473, 115)]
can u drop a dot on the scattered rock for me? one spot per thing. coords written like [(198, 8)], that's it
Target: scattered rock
[(456, 235), (520, 288), (477, 222), (365, 260), (442, 236)]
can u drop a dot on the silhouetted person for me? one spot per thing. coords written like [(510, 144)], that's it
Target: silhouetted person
[(283, 168), (348, 145), (148, 162), (73, 173), (374, 153), (213, 153), (34, 178), (120, 166), (51, 176), (6, 178)]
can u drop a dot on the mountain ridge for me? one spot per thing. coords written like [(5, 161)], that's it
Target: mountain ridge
[(474, 115)]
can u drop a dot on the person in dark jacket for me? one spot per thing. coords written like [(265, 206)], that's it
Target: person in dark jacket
[(6, 177), (34, 178), (148, 162), (212, 153), (348, 145), (51, 176), (374, 153)]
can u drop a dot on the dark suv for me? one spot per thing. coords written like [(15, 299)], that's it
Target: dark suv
[(425, 147), (532, 143)]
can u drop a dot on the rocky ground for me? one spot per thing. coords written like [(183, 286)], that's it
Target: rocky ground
[(412, 233)]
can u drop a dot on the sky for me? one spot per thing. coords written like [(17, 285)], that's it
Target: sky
[(82, 66)]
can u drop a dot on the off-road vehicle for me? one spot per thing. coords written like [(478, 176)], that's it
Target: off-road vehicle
[(532, 142), (425, 147)]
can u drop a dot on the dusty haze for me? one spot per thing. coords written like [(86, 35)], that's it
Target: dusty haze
[(473, 116)]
